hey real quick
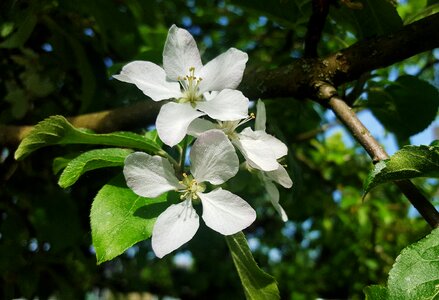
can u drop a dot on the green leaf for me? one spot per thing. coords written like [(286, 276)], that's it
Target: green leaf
[(56, 130), (92, 160), (407, 163), (372, 18), (406, 107), (61, 162), (423, 13), (376, 292), (257, 284), (415, 274), (25, 29), (378, 17), (119, 218)]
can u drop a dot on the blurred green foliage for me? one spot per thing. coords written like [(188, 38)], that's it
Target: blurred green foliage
[(57, 57)]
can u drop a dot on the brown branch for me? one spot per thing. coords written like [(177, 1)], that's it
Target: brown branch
[(124, 118), (298, 80), (320, 10), (376, 152)]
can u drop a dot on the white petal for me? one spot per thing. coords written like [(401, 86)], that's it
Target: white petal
[(223, 72), (180, 53), (173, 121), (261, 116), (280, 176), (174, 227), (258, 154), (198, 126), (277, 146), (228, 105), (149, 176), (225, 212), (273, 193), (149, 78), (213, 158)]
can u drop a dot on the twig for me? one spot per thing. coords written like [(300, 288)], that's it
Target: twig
[(375, 151), (320, 10), (294, 80), (134, 116)]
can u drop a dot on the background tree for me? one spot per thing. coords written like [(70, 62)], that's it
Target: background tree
[(306, 58)]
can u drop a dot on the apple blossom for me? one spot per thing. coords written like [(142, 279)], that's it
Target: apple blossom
[(185, 79), (261, 151), (214, 160)]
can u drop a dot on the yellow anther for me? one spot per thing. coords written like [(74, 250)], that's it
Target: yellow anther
[(184, 175), (252, 115), (191, 69)]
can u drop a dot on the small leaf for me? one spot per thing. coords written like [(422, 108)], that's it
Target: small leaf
[(376, 292), (92, 160), (368, 18), (25, 28), (61, 162), (257, 284), (119, 218), (407, 163), (409, 98), (56, 130), (415, 274)]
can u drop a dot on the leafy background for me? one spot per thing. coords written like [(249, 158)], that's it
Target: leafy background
[(57, 58)]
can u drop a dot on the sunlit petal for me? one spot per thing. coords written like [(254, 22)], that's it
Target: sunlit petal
[(213, 158), (226, 212), (277, 146), (273, 194), (174, 227), (280, 176), (149, 176), (150, 79), (261, 116), (173, 121), (258, 154), (180, 53), (228, 105), (198, 126), (223, 72)]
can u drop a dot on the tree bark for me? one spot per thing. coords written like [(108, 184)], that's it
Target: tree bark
[(300, 80)]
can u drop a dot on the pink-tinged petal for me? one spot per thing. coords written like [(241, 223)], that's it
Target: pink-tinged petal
[(180, 53), (277, 146), (198, 126), (149, 176), (173, 121), (273, 194), (261, 116), (258, 154), (228, 105), (174, 227), (223, 72), (280, 175), (150, 79), (226, 212), (213, 158)]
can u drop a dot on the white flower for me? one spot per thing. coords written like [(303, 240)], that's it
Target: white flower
[(214, 160), (260, 149), (184, 78)]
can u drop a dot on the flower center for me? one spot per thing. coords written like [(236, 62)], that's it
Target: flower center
[(191, 187), (190, 84), (229, 127)]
